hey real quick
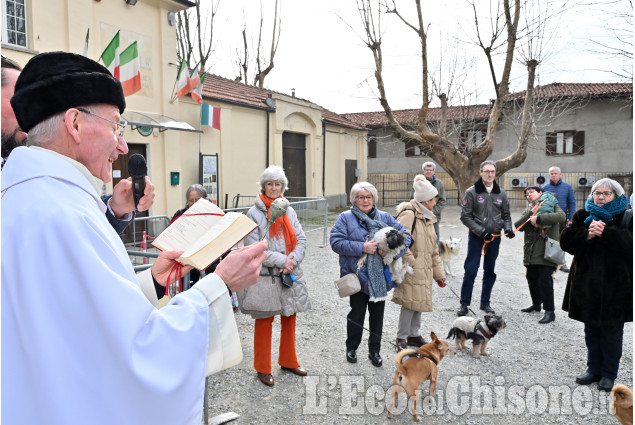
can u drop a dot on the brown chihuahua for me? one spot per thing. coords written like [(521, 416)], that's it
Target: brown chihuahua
[(418, 368)]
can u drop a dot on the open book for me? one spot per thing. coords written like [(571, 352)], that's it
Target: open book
[(205, 233)]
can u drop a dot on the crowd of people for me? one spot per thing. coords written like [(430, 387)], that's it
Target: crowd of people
[(93, 313)]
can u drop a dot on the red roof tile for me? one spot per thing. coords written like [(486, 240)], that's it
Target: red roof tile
[(481, 112), (225, 90)]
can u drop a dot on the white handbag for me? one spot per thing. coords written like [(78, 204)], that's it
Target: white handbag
[(348, 285)]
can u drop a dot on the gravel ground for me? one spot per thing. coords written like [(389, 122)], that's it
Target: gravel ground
[(527, 378)]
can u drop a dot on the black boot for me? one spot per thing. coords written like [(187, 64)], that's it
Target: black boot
[(462, 311), (549, 316), (487, 309), (531, 308)]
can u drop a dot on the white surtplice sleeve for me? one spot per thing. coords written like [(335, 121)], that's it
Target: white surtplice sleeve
[(224, 348)]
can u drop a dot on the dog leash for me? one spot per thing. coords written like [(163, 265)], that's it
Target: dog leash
[(371, 332), (462, 303), (535, 210)]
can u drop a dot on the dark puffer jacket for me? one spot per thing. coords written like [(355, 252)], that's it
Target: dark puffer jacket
[(600, 285)]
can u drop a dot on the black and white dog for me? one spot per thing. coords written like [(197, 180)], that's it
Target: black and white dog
[(392, 241), (479, 331)]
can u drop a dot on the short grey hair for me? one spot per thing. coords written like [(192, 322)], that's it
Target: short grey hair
[(363, 186), (196, 188), (45, 131), (487, 162), (429, 164), (554, 168), (611, 184), (273, 173)]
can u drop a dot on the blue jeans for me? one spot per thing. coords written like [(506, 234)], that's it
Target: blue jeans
[(472, 263)]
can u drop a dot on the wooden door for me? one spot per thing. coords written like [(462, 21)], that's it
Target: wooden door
[(120, 169), (294, 163), (350, 165)]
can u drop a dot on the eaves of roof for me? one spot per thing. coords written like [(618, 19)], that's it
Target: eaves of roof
[(236, 93)]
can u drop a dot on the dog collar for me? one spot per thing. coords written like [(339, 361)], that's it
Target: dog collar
[(423, 356), (483, 331)]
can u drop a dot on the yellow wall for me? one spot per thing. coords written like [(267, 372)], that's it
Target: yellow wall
[(242, 142)]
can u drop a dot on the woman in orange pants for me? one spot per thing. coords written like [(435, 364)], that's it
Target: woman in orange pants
[(287, 245)]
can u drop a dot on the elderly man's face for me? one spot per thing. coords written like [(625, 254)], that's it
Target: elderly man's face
[(488, 174), (100, 143), (428, 172), (555, 176), (12, 136)]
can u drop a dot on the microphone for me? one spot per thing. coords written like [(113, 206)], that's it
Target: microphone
[(137, 169)]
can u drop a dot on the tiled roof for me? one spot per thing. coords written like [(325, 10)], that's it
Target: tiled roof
[(225, 90), (481, 112), (407, 116), (577, 90)]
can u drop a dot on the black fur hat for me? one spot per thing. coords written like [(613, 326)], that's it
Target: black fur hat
[(56, 81)]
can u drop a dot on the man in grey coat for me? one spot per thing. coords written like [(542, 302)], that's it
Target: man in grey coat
[(429, 171)]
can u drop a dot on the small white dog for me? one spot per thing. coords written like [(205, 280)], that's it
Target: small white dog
[(392, 241), (447, 249)]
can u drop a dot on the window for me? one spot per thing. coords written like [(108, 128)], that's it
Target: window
[(569, 142), (14, 22), (413, 148), (469, 139), (372, 148)]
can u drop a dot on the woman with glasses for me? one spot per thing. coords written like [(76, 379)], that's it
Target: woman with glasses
[(352, 237), (599, 290), (540, 219)]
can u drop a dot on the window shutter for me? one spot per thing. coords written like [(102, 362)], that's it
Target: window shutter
[(551, 143), (372, 148), (578, 143)]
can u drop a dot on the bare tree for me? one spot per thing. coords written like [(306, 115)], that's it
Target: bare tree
[(462, 162), (194, 34), (263, 64)]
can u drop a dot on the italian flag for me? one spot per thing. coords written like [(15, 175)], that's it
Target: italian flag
[(130, 74), (110, 57), (210, 116), (197, 93), (182, 81)]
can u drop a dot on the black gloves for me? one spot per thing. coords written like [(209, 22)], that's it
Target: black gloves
[(486, 236), (510, 234)]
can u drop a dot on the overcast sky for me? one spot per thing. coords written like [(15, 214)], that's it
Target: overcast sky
[(326, 62)]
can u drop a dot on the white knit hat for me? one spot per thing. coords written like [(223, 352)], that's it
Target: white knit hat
[(424, 191)]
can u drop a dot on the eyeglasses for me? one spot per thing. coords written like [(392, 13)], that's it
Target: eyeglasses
[(121, 124), (529, 192), (604, 194), (488, 171), (365, 198)]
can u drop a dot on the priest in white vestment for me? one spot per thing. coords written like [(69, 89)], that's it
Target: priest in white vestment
[(82, 340)]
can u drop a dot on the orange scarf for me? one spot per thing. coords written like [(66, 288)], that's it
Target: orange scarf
[(281, 227)]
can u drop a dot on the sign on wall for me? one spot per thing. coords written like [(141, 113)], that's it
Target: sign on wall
[(208, 176)]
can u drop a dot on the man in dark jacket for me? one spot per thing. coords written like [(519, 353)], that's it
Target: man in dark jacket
[(485, 212)]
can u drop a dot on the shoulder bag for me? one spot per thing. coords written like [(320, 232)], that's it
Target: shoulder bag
[(348, 285), (264, 296), (553, 252)]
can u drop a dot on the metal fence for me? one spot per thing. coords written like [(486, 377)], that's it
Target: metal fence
[(395, 188), (312, 214)]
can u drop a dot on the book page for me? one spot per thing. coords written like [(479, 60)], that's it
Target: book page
[(187, 229), (217, 241)]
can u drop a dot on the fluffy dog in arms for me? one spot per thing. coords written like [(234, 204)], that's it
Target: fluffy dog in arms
[(622, 404), (419, 367), (479, 331), (391, 241), (447, 249)]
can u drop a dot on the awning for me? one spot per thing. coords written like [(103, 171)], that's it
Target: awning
[(145, 121)]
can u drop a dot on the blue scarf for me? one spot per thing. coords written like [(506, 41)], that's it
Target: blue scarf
[(604, 212), (377, 284)]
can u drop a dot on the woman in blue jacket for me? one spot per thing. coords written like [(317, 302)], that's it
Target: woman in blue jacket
[(351, 237)]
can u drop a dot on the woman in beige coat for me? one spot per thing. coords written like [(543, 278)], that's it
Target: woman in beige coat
[(414, 294)]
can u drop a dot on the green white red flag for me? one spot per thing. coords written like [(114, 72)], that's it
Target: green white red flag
[(182, 80), (110, 56), (86, 43), (210, 116), (197, 93), (130, 70)]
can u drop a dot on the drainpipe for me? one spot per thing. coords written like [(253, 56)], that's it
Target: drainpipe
[(267, 156), (323, 158)]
